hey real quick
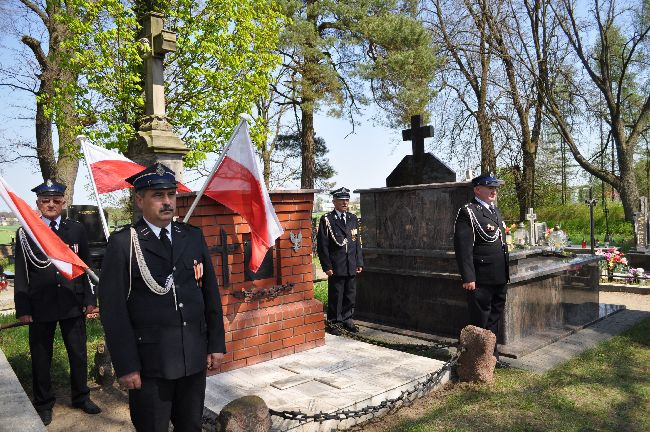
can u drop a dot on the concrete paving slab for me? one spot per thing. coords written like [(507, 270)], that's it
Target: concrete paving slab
[(293, 381), (17, 412), (344, 374)]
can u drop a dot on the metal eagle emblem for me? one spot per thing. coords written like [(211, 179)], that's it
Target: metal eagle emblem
[(160, 170), (49, 183), (296, 240)]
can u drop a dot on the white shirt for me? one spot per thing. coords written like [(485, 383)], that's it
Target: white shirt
[(49, 221), (338, 214), (156, 229), (484, 204)]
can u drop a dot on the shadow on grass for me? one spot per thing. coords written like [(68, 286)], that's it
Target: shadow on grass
[(607, 388)]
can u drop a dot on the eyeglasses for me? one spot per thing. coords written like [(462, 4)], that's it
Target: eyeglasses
[(57, 201)]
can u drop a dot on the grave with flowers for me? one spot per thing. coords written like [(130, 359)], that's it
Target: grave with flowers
[(615, 268)]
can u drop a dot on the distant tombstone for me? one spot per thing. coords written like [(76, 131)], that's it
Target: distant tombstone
[(540, 231), (641, 225), (88, 216), (531, 217), (420, 167)]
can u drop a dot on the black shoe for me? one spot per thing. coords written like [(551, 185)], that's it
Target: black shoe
[(333, 328), (46, 416), (88, 407), (351, 327), (502, 365)]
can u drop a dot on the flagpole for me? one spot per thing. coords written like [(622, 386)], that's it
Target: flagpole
[(82, 139), (223, 155)]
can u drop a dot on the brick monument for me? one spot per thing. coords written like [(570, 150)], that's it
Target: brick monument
[(271, 313)]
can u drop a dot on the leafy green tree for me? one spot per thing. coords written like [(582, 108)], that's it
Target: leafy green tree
[(88, 75), (289, 147), (616, 67), (338, 50)]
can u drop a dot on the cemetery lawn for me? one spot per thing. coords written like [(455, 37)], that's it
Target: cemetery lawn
[(7, 233), (14, 343), (605, 389)]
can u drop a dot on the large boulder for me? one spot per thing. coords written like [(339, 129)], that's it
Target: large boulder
[(246, 414), (476, 362)]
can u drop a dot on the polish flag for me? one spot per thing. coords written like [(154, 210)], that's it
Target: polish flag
[(68, 263), (238, 183), (109, 168)]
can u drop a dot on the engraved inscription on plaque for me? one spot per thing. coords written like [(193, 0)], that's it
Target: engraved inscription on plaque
[(641, 234), (266, 269)]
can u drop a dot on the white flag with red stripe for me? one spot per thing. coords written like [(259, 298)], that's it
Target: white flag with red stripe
[(238, 183), (109, 169), (68, 263)]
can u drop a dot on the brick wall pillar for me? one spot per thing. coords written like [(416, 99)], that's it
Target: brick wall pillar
[(260, 326)]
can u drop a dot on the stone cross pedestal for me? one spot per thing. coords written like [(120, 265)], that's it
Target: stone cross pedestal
[(155, 140), (531, 217)]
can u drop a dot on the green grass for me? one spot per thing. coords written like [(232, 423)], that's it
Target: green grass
[(605, 389), (320, 291), (7, 233), (14, 343)]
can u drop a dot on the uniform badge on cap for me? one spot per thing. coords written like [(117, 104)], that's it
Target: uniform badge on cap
[(341, 193), (160, 170), (48, 183)]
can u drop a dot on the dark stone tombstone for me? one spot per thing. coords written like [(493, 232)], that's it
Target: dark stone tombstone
[(420, 167), (88, 216)]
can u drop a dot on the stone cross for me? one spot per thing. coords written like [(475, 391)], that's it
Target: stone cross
[(160, 42), (531, 217), (416, 135), (591, 202)]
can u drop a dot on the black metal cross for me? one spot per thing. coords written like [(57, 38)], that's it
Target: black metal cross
[(416, 135), (591, 202), (225, 249)]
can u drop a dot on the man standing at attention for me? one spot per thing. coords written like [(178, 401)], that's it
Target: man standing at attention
[(482, 255), (161, 309), (43, 298), (339, 251)]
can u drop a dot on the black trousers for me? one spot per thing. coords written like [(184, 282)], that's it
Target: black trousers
[(341, 295), (485, 305), (41, 340), (160, 400)]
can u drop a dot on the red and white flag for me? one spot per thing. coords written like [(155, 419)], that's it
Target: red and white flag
[(68, 263), (238, 183), (109, 169)]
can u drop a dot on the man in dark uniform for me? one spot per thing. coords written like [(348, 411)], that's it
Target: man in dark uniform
[(339, 251), (44, 297), (482, 255), (161, 309)]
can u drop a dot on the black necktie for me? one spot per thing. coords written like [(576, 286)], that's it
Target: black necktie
[(493, 209), (53, 225), (343, 218), (165, 240)]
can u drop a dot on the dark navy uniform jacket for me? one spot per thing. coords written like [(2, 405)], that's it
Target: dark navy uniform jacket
[(44, 293), (344, 261), (152, 333), (479, 260)]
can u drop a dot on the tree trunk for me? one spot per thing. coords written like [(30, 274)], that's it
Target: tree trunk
[(308, 146), (44, 146), (488, 158), (629, 189)]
